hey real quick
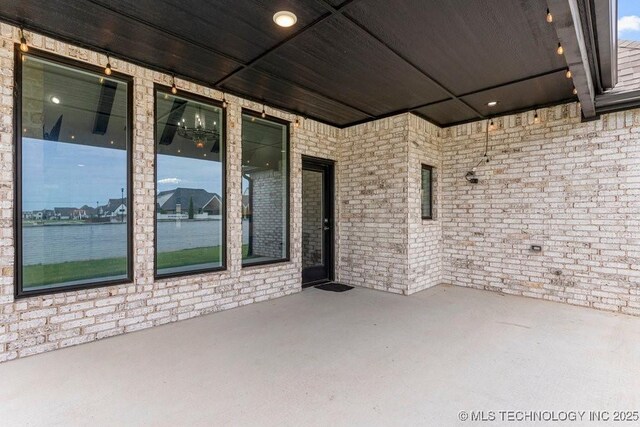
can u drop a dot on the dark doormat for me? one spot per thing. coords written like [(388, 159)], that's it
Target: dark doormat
[(334, 287)]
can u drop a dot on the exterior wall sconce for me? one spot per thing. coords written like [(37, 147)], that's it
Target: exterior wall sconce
[(472, 177)]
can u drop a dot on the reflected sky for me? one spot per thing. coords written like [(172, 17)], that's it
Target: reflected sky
[(58, 174)]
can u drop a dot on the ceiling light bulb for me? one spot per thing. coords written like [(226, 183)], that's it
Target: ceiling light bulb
[(549, 17), (536, 119), (284, 18), (568, 74), (174, 89), (575, 91), (23, 42), (107, 68), (55, 100), (492, 103), (560, 49)]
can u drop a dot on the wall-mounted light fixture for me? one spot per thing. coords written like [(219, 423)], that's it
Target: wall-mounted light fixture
[(471, 176)]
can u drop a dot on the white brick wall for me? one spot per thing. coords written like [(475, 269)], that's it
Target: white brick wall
[(571, 187), (37, 324), (373, 205), (425, 236)]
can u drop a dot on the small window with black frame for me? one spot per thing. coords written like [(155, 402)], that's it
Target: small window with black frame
[(426, 192)]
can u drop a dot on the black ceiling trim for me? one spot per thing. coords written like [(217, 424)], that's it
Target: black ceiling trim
[(532, 77), (332, 13), (154, 67), (524, 79), (517, 111), (414, 66), (308, 89), (427, 119), (251, 63), (167, 32)]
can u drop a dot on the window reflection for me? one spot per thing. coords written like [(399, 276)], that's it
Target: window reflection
[(74, 168), (190, 182), (265, 191)]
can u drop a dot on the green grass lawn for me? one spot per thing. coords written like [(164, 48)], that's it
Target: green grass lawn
[(48, 274)]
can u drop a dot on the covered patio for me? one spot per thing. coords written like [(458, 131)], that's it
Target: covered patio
[(356, 212), (321, 358)]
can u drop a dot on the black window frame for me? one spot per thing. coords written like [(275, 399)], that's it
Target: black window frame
[(287, 125), (159, 88), (422, 170), (17, 170)]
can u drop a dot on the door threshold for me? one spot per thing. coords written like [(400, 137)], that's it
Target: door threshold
[(317, 282)]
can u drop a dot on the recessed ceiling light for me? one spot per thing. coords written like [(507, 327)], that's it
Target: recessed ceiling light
[(492, 103), (284, 18), (55, 100)]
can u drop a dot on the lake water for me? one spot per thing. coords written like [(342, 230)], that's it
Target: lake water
[(52, 244)]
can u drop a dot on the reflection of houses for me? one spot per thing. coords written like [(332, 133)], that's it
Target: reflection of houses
[(177, 201), (85, 212), (64, 213), (115, 208)]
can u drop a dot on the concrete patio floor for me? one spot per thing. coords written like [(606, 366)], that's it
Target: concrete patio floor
[(357, 358)]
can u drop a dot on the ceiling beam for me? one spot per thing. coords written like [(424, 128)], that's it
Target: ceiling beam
[(568, 23), (440, 86), (243, 65), (307, 89), (166, 31), (251, 63), (501, 85)]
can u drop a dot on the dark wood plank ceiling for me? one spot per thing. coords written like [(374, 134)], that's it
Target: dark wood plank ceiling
[(344, 62)]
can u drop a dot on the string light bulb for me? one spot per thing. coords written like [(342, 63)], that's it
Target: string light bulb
[(491, 126), (107, 68), (225, 104), (23, 42), (296, 123), (575, 91), (568, 74), (560, 49), (264, 114), (174, 89), (549, 16), (536, 119)]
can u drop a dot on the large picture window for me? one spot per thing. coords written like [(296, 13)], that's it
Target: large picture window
[(265, 190), (73, 193), (190, 169)]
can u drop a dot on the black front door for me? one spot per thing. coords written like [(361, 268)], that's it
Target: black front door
[(317, 220)]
